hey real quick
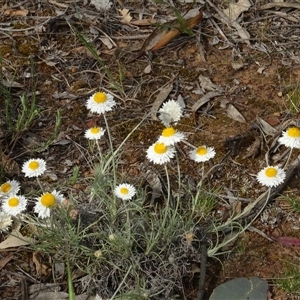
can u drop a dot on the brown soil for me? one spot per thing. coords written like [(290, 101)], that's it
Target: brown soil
[(67, 74)]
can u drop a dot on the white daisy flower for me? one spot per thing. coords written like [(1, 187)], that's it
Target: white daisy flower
[(5, 221), (171, 136), (125, 191), (271, 176), (14, 204), (160, 153), (94, 133), (9, 187), (46, 202), (291, 138), (34, 167), (100, 102), (202, 154), (170, 112)]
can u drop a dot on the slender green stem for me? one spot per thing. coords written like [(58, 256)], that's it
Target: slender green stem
[(111, 150), (120, 285), (168, 186), (214, 250), (40, 185), (70, 283), (123, 142)]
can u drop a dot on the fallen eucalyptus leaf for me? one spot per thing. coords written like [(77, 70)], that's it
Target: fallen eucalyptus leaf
[(204, 100), (175, 32), (15, 239), (101, 4), (235, 9), (266, 127), (207, 84), (234, 114), (161, 97)]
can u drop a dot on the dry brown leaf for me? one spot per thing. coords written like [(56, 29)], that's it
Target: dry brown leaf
[(161, 36), (15, 239), (82, 50), (143, 22), (234, 114), (16, 13), (266, 127), (204, 100), (5, 260), (126, 17), (235, 9), (175, 32), (9, 165), (161, 97), (207, 84), (51, 296), (41, 269), (58, 4)]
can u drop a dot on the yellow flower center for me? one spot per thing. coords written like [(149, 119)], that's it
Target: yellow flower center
[(201, 150), (100, 97), (33, 165), (169, 131), (48, 200), (5, 187), (160, 148), (13, 202), (95, 130), (124, 190), (271, 172), (293, 132)]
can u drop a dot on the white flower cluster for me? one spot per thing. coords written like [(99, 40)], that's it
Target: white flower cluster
[(272, 176), (163, 150), (13, 204)]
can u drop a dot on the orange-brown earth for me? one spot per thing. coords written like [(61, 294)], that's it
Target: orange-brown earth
[(66, 75)]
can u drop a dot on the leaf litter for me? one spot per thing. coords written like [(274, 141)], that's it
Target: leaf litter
[(61, 71)]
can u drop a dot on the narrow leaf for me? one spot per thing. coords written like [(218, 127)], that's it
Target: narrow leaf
[(175, 32)]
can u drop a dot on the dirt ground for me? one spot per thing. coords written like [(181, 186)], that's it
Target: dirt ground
[(258, 79)]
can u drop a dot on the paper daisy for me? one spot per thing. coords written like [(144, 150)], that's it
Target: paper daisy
[(291, 138), (125, 191), (94, 133), (170, 112), (171, 136), (9, 187), (5, 220), (34, 167), (202, 154), (100, 103), (271, 176), (160, 153), (46, 202), (14, 204)]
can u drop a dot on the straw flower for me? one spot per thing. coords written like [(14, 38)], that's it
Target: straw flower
[(271, 176), (202, 154), (94, 133), (46, 202), (100, 102), (9, 187), (160, 153), (34, 167), (171, 136), (291, 138), (14, 205), (170, 112), (5, 220), (125, 191)]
